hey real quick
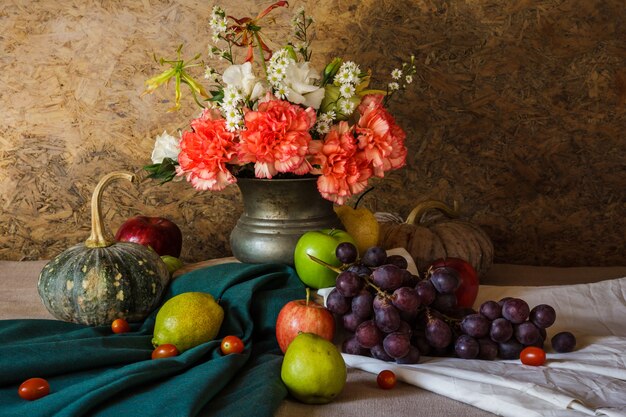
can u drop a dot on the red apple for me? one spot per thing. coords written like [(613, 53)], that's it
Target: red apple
[(303, 316), (160, 234), (468, 291)]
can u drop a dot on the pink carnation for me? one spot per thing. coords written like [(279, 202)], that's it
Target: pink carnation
[(276, 138), (343, 170), (205, 151), (379, 136)]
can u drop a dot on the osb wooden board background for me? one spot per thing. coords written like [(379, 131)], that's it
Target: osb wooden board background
[(518, 112)]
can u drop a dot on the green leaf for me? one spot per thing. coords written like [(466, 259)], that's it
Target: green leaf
[(165, 171)]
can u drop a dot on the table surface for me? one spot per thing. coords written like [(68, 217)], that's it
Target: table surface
[(361, 396)]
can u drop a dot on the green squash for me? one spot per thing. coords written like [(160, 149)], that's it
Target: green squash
[(100, 280)]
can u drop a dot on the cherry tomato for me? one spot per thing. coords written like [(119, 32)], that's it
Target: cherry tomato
[(120, 326), (467, 292), (231, 344), (386, 379), (33, 389), (533, 356), (166, 350)]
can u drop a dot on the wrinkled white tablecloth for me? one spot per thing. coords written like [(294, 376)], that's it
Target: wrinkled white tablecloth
[(589, 381)]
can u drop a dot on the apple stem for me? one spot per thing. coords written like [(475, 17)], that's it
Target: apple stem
[(308, 296), (327, 265)]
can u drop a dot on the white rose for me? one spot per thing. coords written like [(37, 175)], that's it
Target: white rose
[(165, 146), (299, 82), (242, 77)]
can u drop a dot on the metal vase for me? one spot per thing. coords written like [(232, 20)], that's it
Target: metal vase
[(276, 213)]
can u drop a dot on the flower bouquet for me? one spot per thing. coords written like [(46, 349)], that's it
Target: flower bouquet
[(275, 116)]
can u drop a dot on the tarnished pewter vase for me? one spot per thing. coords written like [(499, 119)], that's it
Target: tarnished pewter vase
[(276, 213)]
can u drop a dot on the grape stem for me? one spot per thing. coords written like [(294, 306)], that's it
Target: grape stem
[(326, 264), (379, 291)]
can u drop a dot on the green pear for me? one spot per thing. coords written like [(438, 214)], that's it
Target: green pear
[(313, 369)]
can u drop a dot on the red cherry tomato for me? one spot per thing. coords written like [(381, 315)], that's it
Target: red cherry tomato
[(533, 356), (386, 379), (33, 389), (468, 291), (120, 326), (164, 351), (231, 344)]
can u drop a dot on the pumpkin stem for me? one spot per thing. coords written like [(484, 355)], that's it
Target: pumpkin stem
[(99, 236), (427, 205)]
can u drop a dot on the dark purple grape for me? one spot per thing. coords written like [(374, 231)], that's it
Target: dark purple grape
[(397, 344), (543, 333), (543, 316), (476, 325), (488, 349), (397, 260), (515, 310), (368, 335), (526, 333), (410, 358), (362, 304), (408, 279), (502, 300), (348, 283), (405, 328), (346, 252), (351, 321), (378, 352), (352, 347), (438, 333), (510, 349), (360, 270), (387, 277), (563, 342), (491, 310), (406, 299), (387, 318), (445, 279), (426, 292), (466, 347), (337, 303), (446, 303), (501, 330), (380, 301), (419, 340), (374, 256)]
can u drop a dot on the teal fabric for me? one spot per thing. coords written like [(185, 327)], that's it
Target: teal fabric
[(93, 372)]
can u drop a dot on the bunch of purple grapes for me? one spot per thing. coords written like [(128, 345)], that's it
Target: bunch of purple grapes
[(393, 315)]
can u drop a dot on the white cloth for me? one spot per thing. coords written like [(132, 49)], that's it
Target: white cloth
[(591, 380)]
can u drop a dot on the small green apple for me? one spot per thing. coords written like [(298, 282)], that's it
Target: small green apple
[(320, 244)]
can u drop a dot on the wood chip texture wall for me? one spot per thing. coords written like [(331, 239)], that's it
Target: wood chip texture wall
[(518, 112)]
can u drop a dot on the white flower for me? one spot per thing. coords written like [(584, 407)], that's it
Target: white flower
[(346, 90), (346, 107), (165, 146), (322, 128), (408, 79), (242, 77), (299, 83), (393, 86), (327, 117), (348, 73), (396, 74)]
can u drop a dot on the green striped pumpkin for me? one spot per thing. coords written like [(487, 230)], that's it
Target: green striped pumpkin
[(100, 280)]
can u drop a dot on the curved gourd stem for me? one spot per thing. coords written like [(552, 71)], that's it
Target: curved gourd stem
[(427, 205), (98, 237)]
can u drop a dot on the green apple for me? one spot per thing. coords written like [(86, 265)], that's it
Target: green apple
[(320, 244)]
